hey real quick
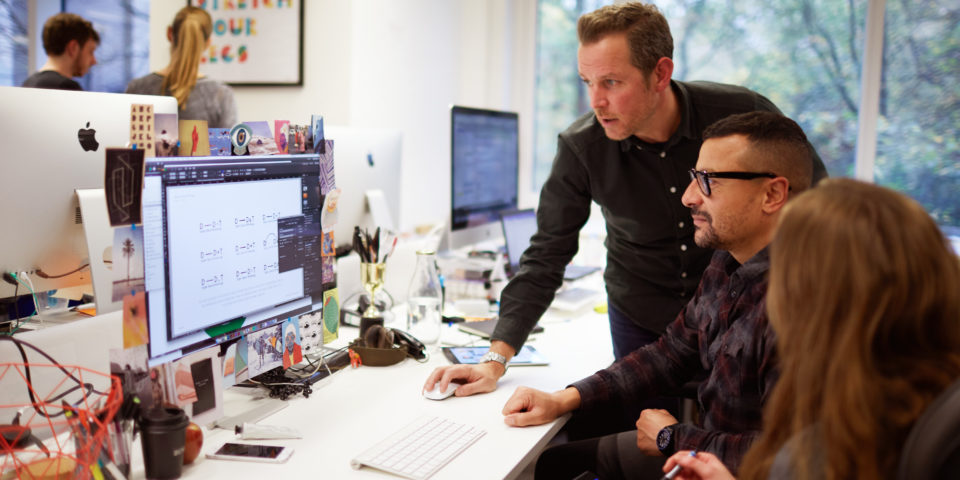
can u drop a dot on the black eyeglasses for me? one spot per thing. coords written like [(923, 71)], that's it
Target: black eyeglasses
[(703, 177)]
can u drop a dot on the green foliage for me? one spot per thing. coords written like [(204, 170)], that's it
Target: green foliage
[(805, 55)]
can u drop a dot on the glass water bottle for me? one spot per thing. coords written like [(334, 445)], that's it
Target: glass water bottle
[(424, 299)]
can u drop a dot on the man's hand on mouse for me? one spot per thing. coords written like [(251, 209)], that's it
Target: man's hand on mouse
[(480, 378)]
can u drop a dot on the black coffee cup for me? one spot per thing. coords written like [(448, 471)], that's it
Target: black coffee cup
[(162, 435)]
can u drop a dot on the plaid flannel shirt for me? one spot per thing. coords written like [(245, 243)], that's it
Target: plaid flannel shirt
[(723, 330)]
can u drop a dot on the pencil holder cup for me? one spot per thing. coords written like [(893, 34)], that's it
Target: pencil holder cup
[(371, 276)]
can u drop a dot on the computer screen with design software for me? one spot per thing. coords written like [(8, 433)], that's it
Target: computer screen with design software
[(231, 244)]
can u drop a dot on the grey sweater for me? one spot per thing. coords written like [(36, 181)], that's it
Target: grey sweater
[(209, 100)]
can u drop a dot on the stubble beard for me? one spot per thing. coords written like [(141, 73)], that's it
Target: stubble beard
[(705, 236)]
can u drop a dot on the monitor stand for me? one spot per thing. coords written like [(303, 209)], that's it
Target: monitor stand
[(242, 409), (245, 413), (379, 212), (99, 236)]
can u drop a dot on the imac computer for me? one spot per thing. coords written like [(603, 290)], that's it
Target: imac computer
[(484, 152), (367, 169), (231, 245), (56, 145)]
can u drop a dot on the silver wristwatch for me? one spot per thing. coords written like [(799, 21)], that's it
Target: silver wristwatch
[(492, 356)]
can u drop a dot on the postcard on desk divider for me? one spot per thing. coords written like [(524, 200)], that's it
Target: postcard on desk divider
[(262, 141), (142, 128), (167, 135), (220, 142), (194, 138), (280, 131)]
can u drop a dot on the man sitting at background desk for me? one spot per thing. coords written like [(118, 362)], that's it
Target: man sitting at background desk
[(69, 41), (631, 156), (749, 166)]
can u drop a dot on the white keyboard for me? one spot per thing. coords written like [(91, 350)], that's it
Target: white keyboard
[(420, 449)]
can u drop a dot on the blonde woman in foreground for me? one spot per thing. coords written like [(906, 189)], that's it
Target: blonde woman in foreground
[(198, 97), (863, 297)]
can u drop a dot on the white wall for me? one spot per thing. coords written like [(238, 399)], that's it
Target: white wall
[(390, 64)]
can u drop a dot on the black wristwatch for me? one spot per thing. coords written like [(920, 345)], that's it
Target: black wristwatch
[(665, 441)]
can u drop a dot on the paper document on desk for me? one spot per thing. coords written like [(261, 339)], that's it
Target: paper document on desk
[(574, 299)]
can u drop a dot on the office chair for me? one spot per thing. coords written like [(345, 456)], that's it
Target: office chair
[(932, 450)]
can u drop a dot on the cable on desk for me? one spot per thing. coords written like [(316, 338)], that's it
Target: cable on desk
[(17, 281), (42, 274), (23, 355), (282, 386)]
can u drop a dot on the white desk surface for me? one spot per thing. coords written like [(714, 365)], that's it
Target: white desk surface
[(354, 409)]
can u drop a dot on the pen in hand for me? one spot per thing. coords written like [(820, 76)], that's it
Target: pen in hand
[(676, 468)]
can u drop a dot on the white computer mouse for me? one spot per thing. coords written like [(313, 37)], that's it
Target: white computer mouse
[(436, 394)]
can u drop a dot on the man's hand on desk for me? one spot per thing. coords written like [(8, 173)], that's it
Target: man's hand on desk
[(480, 378), (532, 407)]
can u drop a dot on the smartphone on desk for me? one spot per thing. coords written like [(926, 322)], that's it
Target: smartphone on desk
[(528, 356), (247, 452)]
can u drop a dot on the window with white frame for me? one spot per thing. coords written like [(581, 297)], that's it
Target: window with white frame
[(124, 52), (124, 48), (14, 52)]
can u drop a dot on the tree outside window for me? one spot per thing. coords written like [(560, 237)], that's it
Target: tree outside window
[(805, 56)]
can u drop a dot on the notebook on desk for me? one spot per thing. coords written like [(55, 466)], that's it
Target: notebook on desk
[(518, 226), (484, 328)]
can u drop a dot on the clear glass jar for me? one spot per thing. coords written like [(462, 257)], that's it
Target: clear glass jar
[(424, 299)]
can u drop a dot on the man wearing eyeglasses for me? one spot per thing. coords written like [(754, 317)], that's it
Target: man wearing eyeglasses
[(631, 156), (749, 166)]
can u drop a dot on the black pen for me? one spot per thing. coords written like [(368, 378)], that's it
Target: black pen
[(366, 248), (356, 242)]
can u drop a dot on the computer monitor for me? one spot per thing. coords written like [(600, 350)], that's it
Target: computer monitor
[(484, 170), (48, 154), (366, 160), (231, 245)]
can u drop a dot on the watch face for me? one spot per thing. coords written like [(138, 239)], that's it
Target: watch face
[(663, 439)]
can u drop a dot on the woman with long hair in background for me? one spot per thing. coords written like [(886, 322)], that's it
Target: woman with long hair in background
[(198, 97)]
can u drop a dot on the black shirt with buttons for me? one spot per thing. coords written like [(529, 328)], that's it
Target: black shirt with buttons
[(653, 264)]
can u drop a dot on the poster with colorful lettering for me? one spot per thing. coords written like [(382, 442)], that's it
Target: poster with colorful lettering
[(254, 42)]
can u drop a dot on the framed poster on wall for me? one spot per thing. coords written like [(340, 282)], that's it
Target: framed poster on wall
[(254, 42)]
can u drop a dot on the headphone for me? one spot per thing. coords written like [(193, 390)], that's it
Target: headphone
[(378, 336)]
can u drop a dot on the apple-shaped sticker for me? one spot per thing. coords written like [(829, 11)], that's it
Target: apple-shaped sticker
[(88, 140)]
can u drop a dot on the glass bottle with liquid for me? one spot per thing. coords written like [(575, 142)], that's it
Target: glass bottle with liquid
[(424, 299)]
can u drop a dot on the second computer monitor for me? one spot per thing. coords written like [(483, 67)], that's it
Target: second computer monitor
[(366, 160), (56, 141), (485, 161)]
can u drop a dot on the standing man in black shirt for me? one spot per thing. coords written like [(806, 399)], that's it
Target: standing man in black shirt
[(631, 155), (69, 41)]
